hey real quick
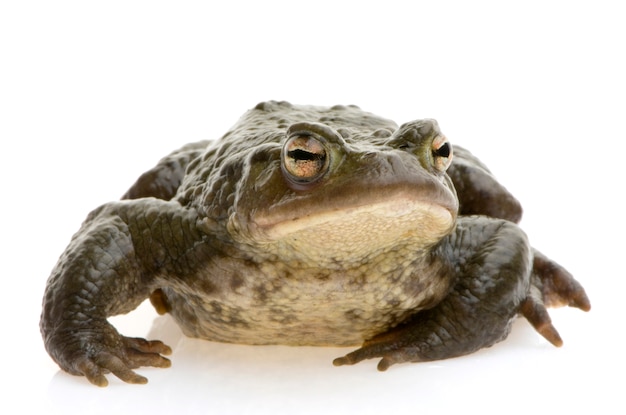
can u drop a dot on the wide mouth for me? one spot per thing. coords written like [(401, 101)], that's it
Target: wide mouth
[(390, 212), (349, 229)]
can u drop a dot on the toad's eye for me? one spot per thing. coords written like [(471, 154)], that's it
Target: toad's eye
[(305, 158), (442, 153)]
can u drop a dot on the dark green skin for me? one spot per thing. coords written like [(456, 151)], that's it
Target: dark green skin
[(191, 236)]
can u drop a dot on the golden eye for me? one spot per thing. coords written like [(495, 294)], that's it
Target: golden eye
[(442, 153), (305, 158)]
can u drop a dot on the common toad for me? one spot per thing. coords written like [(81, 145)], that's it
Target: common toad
[(305, 225)]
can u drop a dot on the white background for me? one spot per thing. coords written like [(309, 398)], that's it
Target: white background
[(94, 93)]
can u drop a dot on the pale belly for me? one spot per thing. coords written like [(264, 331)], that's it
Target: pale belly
[(316, 309)]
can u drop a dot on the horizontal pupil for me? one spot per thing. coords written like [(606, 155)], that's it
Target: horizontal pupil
[(304, 155)]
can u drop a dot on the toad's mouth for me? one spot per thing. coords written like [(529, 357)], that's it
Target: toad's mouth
[(344, 228), (379, 218)]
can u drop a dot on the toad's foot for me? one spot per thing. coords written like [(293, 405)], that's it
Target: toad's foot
[(427, 337), (448, 330), (98, 352), (390, 351)]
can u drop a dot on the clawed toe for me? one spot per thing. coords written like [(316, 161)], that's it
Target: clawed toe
[(537, 315), (351, 358), (91, 371)]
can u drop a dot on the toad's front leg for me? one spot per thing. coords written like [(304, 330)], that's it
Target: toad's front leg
[(495, 271), (109, 268)]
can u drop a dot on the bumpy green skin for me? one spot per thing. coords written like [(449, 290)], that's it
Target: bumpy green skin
[(206, 235)]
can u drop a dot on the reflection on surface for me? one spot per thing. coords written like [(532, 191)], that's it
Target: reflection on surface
[(230, 378)]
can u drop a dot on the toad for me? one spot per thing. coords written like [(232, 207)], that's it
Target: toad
[(305, 225)]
